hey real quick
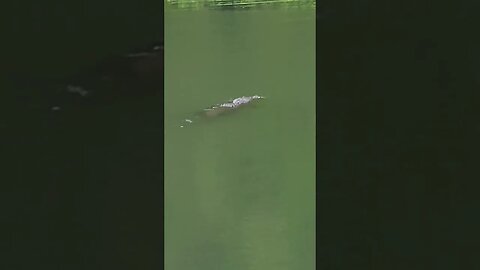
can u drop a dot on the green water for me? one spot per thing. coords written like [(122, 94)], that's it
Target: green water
[(240, 190)]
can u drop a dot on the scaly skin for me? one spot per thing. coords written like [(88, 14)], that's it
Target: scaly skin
[(223, 108), (232, 105)]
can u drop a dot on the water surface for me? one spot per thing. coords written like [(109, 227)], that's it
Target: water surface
[(240, 190)]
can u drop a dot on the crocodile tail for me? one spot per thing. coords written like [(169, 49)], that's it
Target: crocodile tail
[(186, 122)]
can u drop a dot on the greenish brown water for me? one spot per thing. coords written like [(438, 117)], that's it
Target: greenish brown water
[(240, 190)]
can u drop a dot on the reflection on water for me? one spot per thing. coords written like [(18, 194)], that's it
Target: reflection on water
[(240, 188)]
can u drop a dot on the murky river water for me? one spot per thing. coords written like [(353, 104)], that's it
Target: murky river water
[(240, 189)]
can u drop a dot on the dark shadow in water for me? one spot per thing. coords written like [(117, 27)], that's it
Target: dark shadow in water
[(129, 77), (85, 154)]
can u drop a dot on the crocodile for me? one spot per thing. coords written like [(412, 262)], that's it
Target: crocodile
[(224, 108)]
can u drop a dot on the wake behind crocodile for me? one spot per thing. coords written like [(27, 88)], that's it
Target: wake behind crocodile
[(222, 109)]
